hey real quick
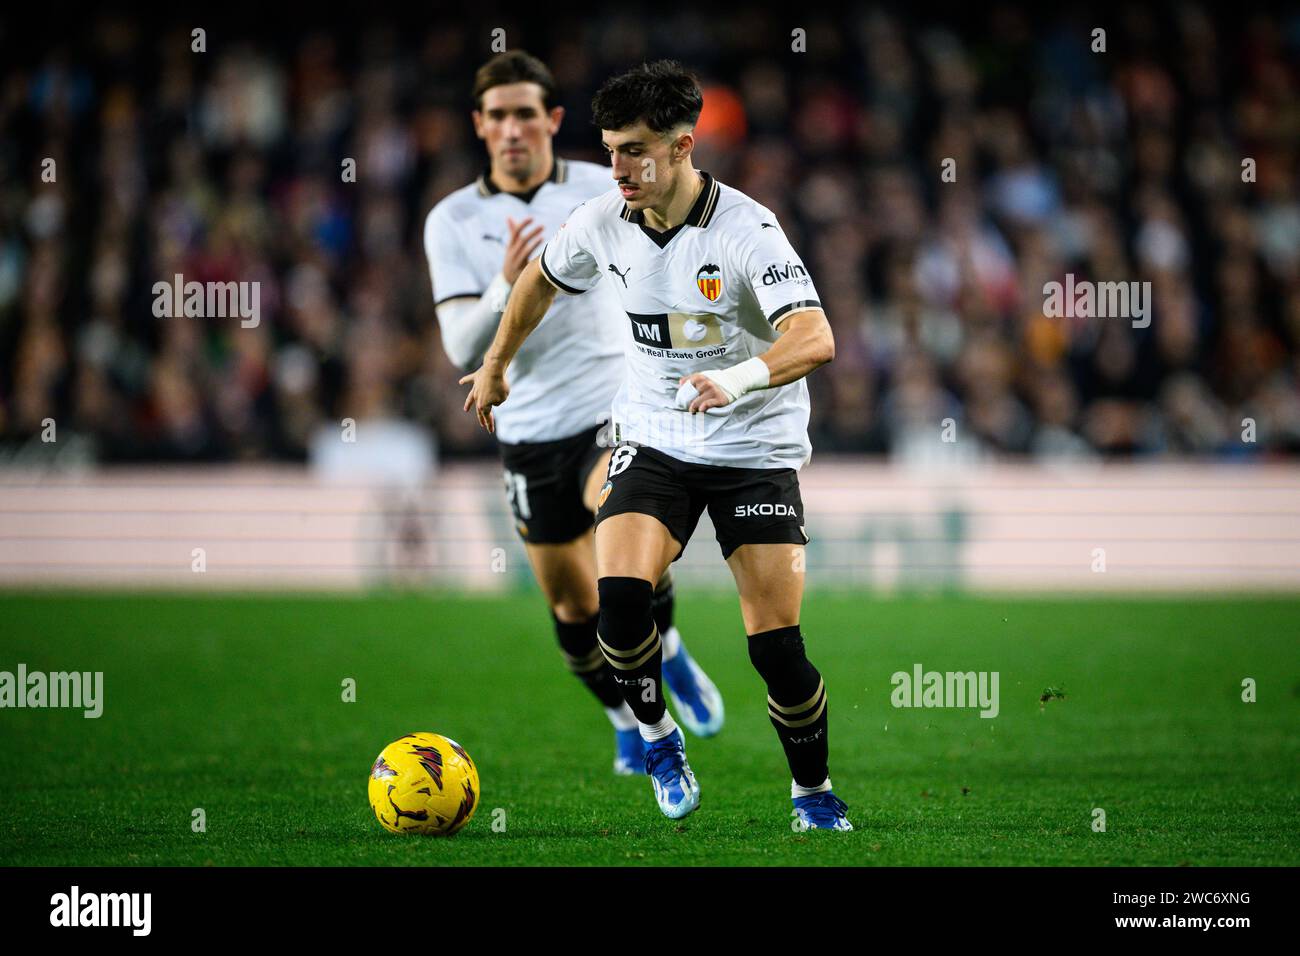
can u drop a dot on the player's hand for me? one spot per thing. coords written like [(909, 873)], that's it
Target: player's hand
[(486, 389), (710, 395), (523, 242)]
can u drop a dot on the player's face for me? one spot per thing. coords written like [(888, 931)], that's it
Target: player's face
[(517, 128), (642, 162)]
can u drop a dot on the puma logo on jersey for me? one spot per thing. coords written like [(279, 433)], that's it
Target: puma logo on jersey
[(491, 238), (765, 510), (622, 275)]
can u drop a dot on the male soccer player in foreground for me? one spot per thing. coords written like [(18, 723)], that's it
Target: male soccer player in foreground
[(478, 241), (723, 325)]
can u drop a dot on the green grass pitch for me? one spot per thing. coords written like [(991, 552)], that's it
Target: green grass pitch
[(234, 705)]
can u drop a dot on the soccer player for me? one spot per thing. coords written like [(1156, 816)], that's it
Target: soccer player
[(479, 240), (722, 325)]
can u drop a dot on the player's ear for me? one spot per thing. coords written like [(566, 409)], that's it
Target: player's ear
[(684, 146), (477, 117), (557, 117)]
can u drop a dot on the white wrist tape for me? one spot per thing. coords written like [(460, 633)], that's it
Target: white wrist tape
[(498, 291), (749, 375)]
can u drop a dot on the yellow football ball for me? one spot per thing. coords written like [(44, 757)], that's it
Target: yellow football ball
[(424, 783)]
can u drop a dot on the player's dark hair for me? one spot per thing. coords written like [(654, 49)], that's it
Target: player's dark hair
[(514, 66), (664, 94)]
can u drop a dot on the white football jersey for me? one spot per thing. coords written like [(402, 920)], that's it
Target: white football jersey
[(564, 376), (706, 294)]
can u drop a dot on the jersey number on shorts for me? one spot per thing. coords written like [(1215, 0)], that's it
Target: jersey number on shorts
[(517, 493), (622, 457)]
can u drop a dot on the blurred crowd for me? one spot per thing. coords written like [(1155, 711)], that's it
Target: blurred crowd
[(1170, 157)]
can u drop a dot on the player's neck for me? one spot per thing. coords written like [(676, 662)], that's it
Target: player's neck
[(509, 184), (678, 203)]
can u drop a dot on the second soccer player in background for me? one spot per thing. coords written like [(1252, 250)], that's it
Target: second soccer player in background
[(478, 241)]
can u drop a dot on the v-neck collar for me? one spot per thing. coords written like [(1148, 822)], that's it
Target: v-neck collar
[(700, 214), (559, 173)]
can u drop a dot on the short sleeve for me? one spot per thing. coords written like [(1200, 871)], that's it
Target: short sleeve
[(567, 260), (450, 270), (777, 275)]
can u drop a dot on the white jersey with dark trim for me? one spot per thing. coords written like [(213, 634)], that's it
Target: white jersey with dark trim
[(706, 294), (564, 376)]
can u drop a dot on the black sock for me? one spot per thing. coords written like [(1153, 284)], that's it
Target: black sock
[(630, 641), (585, 661), (661, 604), (796, 701)]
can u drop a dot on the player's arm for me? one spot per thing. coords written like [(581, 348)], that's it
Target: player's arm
[(806, 343), (564, 264), (531, 297), (468, 323)]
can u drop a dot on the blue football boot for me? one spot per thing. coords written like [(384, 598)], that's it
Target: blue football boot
[(675, 788), (822, 811), (629, 752), (695, 698)]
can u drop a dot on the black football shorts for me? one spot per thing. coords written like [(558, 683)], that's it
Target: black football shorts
[(746, 505), (544, 482)]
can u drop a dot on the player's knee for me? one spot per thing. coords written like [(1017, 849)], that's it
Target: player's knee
[(572, 613), (574, 608), (625, 597), (624, 609), (665, 584), (577, 638), (779, 654)]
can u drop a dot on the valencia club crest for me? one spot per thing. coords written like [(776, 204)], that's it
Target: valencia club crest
[(709, 279)]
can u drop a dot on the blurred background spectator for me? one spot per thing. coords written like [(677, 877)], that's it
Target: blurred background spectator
[(227, 166)]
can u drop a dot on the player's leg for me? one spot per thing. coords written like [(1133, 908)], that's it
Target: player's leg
[(566, 573), (544, 485), (663, 601), (760, 528), (645, 517), (632, 551), (697, 699), (769, 579)]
